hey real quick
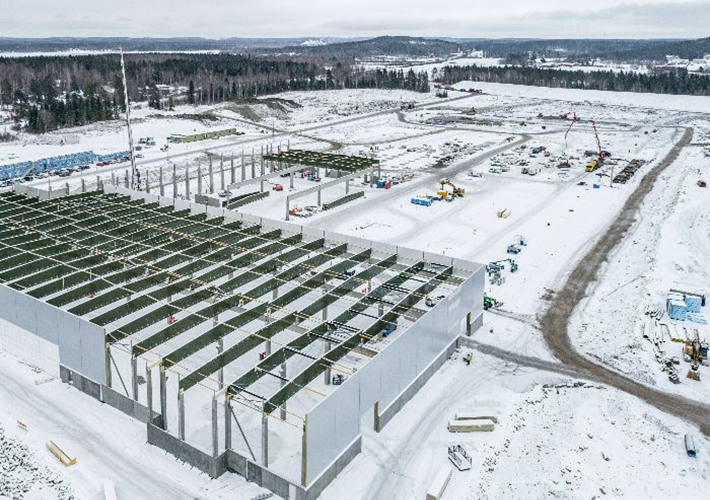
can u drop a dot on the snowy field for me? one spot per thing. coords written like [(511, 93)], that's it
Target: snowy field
[(556, 437)]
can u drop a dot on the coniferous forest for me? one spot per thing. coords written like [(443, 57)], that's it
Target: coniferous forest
[(48, 93), (662, 83)]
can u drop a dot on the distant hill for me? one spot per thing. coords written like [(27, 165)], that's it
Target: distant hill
[(657, 51), (380, 46), (59, 44), (557, 48), (622, 50)]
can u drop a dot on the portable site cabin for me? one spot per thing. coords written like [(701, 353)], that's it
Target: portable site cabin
[(472, 425), (463, 415), (441, 481)]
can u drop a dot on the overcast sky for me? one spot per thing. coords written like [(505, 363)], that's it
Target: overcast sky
[(289, 18)]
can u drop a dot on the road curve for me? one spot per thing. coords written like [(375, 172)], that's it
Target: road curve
[(556, 319)]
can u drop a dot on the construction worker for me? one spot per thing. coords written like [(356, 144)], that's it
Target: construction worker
[(467, 359)]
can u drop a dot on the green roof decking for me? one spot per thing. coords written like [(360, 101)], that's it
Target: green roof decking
[(345, 163)]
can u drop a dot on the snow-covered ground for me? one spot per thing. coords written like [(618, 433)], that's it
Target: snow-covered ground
[(668, 248), (555, 437)]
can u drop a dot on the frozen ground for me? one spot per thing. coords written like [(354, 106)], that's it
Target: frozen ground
[(106, 443), (668, 248), (555, 438)]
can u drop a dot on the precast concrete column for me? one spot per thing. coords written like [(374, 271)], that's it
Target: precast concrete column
[(160, 182), (227, 422), (107, 361), (221, 172), (83, 186), (175, 188), (288, 207), (199, 179), (134, 376), (347, 186), (233, 177), (215, 428), (181, 415), (187, 181), (147, 184), (468, 324), (244, 167), (97, 179), (211, 174), (149, 391), (327, 373), (283, 383), (290, 179), (113, 179), (163, 397), (304, 453), (319, 196), (264, 439), (220, 374), (253, 164)]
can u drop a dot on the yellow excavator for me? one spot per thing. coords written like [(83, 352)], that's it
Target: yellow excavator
[(455, 191), (695, 350)]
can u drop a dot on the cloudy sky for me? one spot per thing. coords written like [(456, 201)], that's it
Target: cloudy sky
[(288, 18)]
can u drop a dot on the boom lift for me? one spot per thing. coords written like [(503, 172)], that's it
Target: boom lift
[(596, 163)]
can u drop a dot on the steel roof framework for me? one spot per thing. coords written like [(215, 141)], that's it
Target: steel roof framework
[(89, 251)]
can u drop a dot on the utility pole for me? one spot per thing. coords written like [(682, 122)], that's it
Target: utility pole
[(134, 172)]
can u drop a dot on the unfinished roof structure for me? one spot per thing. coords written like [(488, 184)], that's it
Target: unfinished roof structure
[(294, 332), (345, 163)]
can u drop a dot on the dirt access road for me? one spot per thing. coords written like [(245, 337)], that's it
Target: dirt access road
[(556, 320)]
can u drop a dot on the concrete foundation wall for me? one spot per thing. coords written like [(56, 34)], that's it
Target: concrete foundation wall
[(214, 467), (129, 406), (79, 382)]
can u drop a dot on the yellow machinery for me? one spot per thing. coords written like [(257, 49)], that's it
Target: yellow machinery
[(455, 192), (695, 350), (592, 165)]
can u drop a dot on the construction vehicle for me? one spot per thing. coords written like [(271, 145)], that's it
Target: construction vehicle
[(695, 351), (592, 165), (489, 302), (514, 249), (499, 265), (455, 191)]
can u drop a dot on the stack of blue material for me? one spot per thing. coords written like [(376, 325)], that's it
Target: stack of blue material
[(14, 170), (113, 156), (64, 161), (684, 306), (676, 307)]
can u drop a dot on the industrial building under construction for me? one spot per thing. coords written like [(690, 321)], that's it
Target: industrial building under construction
[(250, 345)]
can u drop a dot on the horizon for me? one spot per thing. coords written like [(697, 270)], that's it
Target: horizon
[(508, 19)]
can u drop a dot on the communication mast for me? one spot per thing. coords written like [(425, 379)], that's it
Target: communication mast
[(134, 172)]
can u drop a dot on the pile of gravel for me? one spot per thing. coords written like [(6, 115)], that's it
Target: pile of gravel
[(23, 477)]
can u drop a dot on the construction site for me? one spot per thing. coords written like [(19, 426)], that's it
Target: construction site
[(245, 344), (291, 304)]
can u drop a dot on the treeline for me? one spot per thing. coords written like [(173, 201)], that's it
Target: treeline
[(665, 83), (47, 93)]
